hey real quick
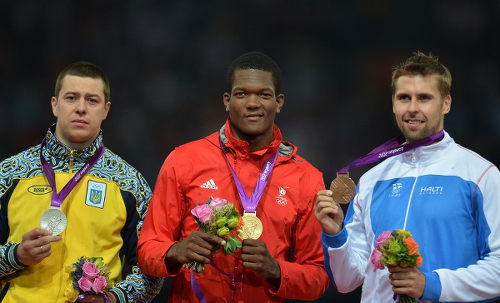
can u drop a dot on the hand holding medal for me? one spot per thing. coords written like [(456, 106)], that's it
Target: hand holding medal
[(343, 188)]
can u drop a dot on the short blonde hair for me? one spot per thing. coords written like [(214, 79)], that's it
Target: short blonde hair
[(424, 65)]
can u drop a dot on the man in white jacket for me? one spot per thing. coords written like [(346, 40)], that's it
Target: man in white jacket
[(447, 196)]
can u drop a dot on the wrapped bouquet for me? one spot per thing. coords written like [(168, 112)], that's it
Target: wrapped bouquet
[(396, 248), (218, 217), (87, 276)]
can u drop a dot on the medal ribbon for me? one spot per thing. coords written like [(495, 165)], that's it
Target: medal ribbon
[(58, 197), (250, 203), (195, 286), (393, 147)]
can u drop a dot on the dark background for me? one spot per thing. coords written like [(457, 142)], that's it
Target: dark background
[(167, 59)]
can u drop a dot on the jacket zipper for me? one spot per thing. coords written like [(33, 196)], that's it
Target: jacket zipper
[(413, 160)]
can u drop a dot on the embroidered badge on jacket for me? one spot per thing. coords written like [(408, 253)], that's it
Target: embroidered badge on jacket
[(96, 193), (280, 198)]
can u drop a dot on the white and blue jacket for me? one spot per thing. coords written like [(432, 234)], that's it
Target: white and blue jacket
[(448, 198)]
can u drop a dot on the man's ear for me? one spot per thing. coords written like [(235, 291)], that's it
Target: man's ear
[(280, 100), (226, 98), (53, 102), (107, 106), (446, 104)]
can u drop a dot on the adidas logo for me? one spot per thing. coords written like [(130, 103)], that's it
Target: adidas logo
[(209, 184)]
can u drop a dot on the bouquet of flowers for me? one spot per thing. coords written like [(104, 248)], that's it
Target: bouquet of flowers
[(218, 217), (87, 276), (396, 248)]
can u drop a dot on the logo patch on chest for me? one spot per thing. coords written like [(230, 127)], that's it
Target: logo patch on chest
[(280, 198), (431, 190), (39, 189), (96, 194), (396, 190)]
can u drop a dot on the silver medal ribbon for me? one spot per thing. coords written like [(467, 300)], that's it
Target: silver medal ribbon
[(54, 219)]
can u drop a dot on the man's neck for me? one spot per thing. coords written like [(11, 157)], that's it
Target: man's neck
[(254, 142), (74, 145)]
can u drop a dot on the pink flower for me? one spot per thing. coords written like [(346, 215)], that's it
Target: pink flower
[(202, 212), (99, 285), (218, 202), (375, 259), (384, 237), (90, 270), (85, 284)]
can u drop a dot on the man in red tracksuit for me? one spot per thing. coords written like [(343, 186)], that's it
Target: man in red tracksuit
[(286, 261)]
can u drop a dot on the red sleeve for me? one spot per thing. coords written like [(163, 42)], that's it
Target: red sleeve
[(305, 278), (163, 221)]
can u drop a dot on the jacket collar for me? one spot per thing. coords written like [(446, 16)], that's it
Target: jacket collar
[(242, 148), (426, 155), (57, 149)]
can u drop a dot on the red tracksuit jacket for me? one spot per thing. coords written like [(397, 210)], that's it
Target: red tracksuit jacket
[(194, 172)]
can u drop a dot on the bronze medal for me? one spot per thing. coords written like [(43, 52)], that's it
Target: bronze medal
[(343, 188), (252, 228)]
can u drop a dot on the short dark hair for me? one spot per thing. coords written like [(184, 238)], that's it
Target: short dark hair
[(255, 60), (424, 65), (84, 69)]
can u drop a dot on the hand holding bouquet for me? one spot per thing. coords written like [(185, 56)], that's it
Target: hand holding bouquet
[(88, 276), (396, 248), (217, 217)]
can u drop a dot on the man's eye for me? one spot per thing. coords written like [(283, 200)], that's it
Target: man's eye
[(266, 96), (239, 94)]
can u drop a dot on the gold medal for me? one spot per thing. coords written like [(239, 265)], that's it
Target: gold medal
[(343, 188), (252, 228)]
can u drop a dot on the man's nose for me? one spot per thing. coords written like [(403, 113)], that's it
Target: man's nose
[(413, 106), (253, 101), (81, 105)]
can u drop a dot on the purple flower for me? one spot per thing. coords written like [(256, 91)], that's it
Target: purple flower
[(85, 284), (90, 270)]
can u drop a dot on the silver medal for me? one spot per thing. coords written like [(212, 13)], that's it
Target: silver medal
[(53, 219)]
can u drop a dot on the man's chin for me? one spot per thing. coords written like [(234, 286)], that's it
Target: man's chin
[(415, 135)]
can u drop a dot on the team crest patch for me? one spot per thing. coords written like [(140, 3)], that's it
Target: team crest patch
[(96, 194)]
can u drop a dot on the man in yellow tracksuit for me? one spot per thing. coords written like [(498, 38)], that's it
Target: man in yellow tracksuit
[(103, 201)]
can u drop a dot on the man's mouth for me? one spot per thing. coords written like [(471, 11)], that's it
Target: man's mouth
[(254, 117), (79, 122), (414, 123)]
